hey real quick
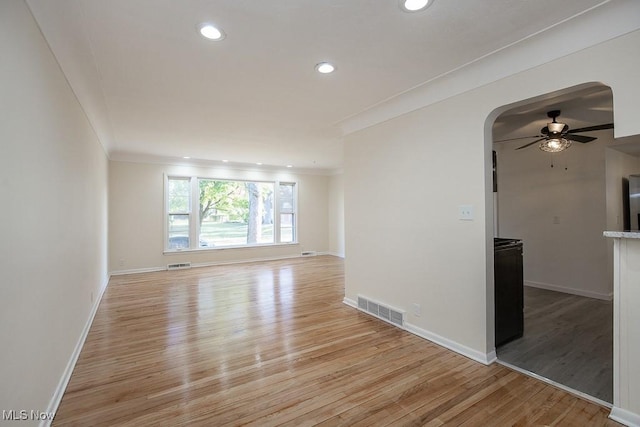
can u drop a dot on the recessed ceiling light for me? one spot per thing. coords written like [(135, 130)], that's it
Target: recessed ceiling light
[(186, 157), (325, 68), (289, 166), (211, 32), (259, 164), (225, 161), (414, 5)]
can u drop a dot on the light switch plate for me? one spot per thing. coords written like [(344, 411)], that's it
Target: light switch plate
[(465, 213)]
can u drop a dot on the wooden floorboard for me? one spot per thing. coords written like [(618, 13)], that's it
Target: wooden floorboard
[(272, 344), (567, 339)]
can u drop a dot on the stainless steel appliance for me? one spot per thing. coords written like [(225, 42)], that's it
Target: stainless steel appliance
[(634, 202)]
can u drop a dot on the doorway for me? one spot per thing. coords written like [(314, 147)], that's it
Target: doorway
[(558, 205)]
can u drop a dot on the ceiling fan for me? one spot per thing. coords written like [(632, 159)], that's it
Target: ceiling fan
[(556, 137)]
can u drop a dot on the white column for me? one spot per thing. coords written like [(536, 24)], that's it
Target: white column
[(626, 328)]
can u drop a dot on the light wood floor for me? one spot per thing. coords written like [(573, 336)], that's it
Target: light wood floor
[(568, 339), (272, 343)]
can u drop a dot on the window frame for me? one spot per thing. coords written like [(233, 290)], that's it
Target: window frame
[(168, 213), (194, 220), (294, 212)]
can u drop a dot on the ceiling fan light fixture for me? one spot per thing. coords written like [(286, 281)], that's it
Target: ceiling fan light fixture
[(555, 127), (555, 145)]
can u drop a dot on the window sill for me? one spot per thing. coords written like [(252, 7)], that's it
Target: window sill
[(224, 248)]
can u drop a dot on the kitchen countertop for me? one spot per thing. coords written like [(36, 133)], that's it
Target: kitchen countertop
[(623, 234)]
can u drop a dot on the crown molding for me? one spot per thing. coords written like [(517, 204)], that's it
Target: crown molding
[(580, 32)]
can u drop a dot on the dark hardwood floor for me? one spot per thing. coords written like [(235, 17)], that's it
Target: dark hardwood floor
[(268, 344), (567, 339)]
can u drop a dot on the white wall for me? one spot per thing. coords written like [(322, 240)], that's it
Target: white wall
[(336, 215), (406, 177), (136, 218), (53, 188), (560, 213), (404, 181)]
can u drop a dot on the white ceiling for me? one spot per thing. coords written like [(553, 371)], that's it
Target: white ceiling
[(151, 86)]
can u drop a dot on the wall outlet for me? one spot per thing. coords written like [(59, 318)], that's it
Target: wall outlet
[(417, 310), (465, 213)]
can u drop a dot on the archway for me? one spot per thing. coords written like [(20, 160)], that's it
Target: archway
[(528, 208)]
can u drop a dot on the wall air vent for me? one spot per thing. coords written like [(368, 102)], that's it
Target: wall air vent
[(381, 311), (309, 253), (179, 266)]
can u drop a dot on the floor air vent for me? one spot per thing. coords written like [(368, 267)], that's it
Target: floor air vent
[(179, 266), (381, 311)]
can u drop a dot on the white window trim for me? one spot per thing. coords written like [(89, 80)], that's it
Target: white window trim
[(194, 227), (167, 213), (194, 223), (295, 212)]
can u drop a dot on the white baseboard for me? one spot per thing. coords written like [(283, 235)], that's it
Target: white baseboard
[(484, 358), (137, 270), (350, 302), (336, 254), (625, 417), (215, 263), (243, 261), (572, 291), (478, 356), (66, 375)]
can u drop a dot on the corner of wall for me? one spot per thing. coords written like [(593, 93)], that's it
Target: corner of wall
[(625, 417)]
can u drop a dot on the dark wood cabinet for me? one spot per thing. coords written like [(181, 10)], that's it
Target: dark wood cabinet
[(508, 291)]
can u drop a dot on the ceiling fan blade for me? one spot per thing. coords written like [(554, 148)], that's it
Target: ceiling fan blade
[(593, 128), (580, 138), (531, 143), (522, 137)]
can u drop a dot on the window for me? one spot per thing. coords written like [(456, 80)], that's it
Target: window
[(214, 213), (234, 213), (178, 212), (287, 212)]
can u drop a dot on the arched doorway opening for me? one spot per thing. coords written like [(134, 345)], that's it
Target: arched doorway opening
[(558, 205)]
